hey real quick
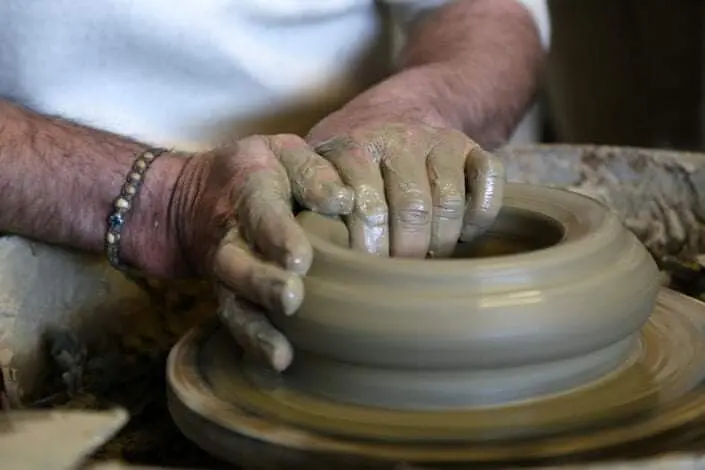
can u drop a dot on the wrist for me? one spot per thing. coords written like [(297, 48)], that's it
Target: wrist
[(401, 99), (418, 94), (149, 241), (445, 95)]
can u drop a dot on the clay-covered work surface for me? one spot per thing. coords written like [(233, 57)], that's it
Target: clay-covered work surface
[(65, 437), (659, 195)]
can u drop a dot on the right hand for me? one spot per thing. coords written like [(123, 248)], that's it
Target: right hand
[(232, 220)]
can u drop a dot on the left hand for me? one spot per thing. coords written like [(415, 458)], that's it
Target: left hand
[(420, 185)]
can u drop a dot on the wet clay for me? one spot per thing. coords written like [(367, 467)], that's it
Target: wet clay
[(468, 358), (215, 403), (232, 409), (430, 334)]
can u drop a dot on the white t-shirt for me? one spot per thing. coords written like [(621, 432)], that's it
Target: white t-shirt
[(191, 73)]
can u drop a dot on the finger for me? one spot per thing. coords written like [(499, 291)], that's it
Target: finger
[(409, 198), (359, 169), (315, 183), (253, 332), (264, 209), (485, 183), (446, 175), (265, 284)]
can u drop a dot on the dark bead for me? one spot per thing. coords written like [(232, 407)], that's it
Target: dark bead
[(115, 221)]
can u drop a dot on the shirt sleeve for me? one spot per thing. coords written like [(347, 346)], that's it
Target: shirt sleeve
[(408, 10), (539, 10)]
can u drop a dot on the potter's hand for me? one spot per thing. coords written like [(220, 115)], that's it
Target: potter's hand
[(235, 224), (418, 188)]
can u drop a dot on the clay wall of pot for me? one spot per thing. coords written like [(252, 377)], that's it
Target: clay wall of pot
[(627, 72)]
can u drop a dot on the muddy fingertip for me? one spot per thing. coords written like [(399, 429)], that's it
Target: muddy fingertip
[(338, 200), (292, 295), (278, 352), (298, 256)]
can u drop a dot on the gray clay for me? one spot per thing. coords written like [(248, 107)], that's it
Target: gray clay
[(473, 331), (460, 359)]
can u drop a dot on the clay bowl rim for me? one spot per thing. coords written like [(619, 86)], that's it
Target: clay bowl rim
[(564, 249)]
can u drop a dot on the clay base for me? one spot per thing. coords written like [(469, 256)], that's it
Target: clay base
[(215, 405)]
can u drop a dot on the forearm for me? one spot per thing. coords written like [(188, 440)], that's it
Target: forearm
[(59, 180), (474, 64)]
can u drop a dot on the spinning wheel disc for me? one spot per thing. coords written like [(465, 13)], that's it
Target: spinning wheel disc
[(224, 407)]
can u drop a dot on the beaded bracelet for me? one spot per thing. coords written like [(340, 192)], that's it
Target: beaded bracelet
[(123, 204)]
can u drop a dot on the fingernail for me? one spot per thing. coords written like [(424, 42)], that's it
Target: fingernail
[(292, 295), (299, 257), (276, 350)]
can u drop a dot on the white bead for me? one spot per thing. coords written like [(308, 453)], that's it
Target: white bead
[(149, 156), (135, 176), (129, 189), (122, 203), (140, 164), (112, 237)]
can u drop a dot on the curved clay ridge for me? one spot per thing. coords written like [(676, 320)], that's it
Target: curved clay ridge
[(469, 332)]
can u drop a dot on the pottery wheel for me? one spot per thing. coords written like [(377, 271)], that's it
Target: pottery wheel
[(553, 338), (214, 398)]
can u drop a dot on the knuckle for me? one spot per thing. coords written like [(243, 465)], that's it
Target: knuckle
[(414, 212), (484, 157), (371, 207), (287, 141), (496, 167), (486, 170), (336, 144), (252, 141), (254, 152), (335, 199), (457, 139), (373, 218), (450, 205)]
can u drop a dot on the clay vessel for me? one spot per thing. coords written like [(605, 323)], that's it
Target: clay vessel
[(548, 300)]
